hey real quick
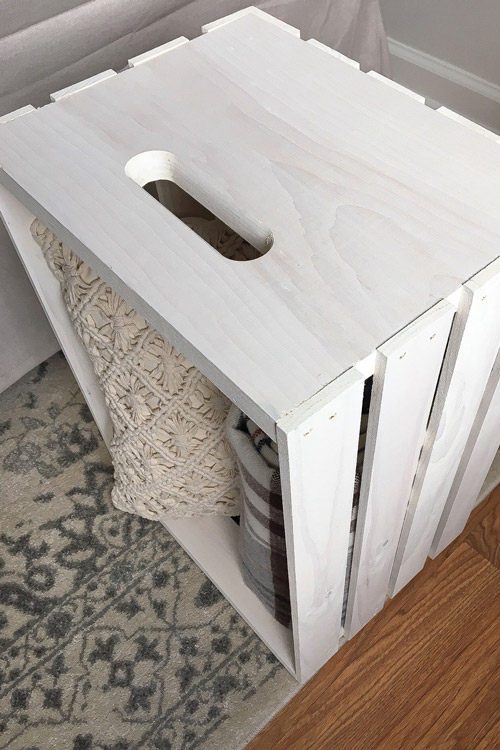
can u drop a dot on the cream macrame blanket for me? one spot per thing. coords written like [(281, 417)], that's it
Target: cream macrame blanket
[(170, 453)]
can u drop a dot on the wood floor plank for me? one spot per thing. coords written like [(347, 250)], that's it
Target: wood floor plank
[(491, 740), (319, 687), (461, 691), (374, 693), (467, 728), (485, 538)]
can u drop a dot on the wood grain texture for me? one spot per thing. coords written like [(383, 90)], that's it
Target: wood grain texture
[(477, 458), (458, 692), (422, 674), (470, 356), (378, 207), (490, 739), (485, 538), (404, 383), (318, 447), (478, 721)]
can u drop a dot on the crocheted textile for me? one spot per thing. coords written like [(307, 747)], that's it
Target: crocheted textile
[(170, 454)]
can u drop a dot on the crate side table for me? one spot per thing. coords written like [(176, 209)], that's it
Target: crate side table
[(377, 223)]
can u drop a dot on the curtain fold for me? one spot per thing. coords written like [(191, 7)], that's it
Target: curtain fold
[(68, 40)]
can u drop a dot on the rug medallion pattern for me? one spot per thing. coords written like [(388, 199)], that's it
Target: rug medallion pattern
[(110, 637)]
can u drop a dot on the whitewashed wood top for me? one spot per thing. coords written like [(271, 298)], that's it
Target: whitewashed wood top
[(379, 207)]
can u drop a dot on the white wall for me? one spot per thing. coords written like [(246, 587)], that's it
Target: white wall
[(448, 50)]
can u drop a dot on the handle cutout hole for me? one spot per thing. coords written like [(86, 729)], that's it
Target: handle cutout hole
[(159, 174), (203, 222)]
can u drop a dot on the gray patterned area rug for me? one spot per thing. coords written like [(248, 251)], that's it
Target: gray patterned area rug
[(110, 637)]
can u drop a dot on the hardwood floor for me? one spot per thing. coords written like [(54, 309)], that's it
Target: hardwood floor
[(485, 538), (425, 673)]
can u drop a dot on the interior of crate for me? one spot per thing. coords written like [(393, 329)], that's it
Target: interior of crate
[(183, 205), (212, 542), (222, 564)]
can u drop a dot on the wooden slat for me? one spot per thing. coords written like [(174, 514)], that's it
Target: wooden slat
[(468, 123), (397, 86), (475, 463), (333, 53), (250, 11), (318, 449), (157, 51), (474, 344), (17, 113), (17, 220), (406, 374), (82, 85), (492, 479)]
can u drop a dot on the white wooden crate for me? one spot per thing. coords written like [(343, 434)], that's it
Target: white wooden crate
[(378, 223)]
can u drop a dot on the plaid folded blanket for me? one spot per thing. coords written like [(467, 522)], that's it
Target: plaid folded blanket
[(262, 534)]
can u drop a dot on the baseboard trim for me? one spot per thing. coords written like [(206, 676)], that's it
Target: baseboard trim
[(445, 70)]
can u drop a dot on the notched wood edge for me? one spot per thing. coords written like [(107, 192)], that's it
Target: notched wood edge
[(470, 124), (396, 86), (333, 53), (157, 51), (17, 113), (81, 85), (251, 10)]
